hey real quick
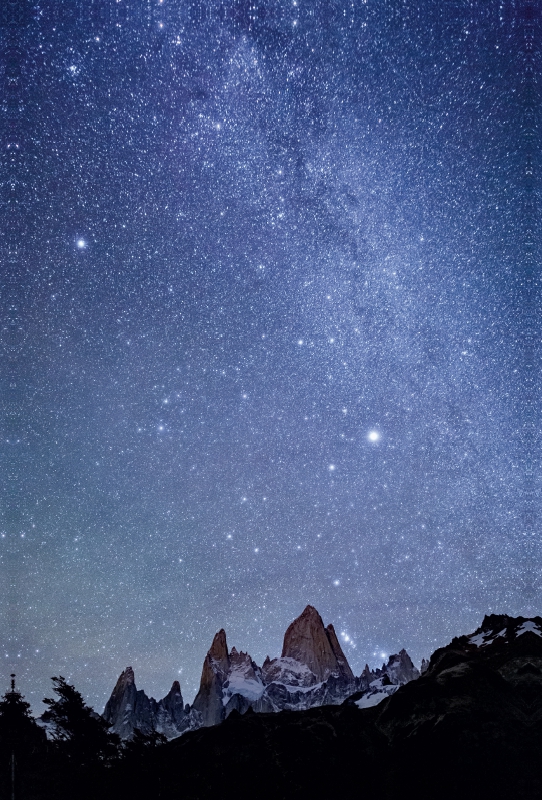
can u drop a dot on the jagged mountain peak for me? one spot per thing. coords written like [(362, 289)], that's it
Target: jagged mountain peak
[(129, 709), (499, 629), (218, 651), (492, 640), (216, 666), (307, 641), (126, 678), (239, 657), (310, 611), (342, 662), (400, 668)]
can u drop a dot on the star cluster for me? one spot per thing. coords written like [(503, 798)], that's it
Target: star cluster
[(271, 297)]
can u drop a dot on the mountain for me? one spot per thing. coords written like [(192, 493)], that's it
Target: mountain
[(469, 727), (379, 684), (311, 671), (129, 708), (228, 681), (308, 642)]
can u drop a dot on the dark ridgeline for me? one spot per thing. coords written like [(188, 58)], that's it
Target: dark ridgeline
[(469, 727)]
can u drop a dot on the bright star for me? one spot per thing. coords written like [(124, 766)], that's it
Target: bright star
[(373, 436), (81, 244)]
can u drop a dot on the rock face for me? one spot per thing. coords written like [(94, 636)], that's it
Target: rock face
[(308, 642), (228, 681), (213, 676), (129, 708)]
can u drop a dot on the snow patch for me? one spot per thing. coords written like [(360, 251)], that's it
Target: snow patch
[(238, 683), (485, 638), (376, 694), (529, 627), (300, 689), (290, 672)]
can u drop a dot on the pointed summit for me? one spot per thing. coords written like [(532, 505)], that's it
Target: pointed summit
[(170, 717), (400, 668), (125, 679), (342, 663), (128, 708), (309, 643), (218, 651), (213, 675)]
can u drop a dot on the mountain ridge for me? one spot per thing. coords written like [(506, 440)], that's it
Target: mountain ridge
[(470, 726), (311, 671)]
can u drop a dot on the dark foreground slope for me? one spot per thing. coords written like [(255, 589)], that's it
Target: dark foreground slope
[(471, 726)]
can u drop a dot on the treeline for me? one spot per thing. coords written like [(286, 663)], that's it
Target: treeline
[(79, 758)]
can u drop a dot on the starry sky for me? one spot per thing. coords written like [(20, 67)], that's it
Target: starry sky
[(271, 314)]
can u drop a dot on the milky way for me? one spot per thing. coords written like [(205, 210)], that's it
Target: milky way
[(270, 298)]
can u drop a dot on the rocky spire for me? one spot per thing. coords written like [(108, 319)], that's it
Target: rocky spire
[(218, 651), (308, 642), (122, 695), (171, 716), (173, 704), (342, 663), (125, 679), (208, 700), (128, 708)]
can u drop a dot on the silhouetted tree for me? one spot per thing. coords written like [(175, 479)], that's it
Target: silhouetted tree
[(84, 748), (22, 746), (138, 773)]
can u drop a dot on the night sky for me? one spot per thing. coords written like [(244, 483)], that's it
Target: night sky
[(270, 296)]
